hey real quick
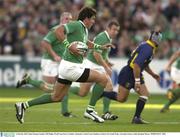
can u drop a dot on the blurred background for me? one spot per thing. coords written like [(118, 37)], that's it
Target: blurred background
[(23, 24)]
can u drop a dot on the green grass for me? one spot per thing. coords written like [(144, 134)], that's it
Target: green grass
[(47, 118)]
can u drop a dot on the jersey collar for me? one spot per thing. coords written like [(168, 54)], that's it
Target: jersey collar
[(82, 23), (107, 35), (152, 45)]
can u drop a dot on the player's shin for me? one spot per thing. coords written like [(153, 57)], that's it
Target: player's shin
[(140, 105), (44, 99), (96, 94)]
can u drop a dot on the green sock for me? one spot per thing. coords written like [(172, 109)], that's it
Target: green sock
[(35, 83), (43, 99), (106, 103), (64, 105), (74, 90), (96, 94), (171, 101), (176, 95)]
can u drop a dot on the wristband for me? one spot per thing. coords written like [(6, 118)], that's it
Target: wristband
[(96, 46), (66, 43), (137, 79)]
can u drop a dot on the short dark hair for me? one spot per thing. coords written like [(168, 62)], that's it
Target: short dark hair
[(86, 12), (113, 22)]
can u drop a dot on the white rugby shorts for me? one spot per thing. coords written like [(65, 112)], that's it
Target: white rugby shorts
[(89, 64), (70, 71)]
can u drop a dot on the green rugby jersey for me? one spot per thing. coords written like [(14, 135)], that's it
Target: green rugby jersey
[(101, 39), (57, 45), (76, 31)]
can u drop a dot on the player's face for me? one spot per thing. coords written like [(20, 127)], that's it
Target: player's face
[(113, 31), (67, 19), (90, 22)]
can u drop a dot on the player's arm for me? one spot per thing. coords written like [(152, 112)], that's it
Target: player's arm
[(61, 32), (102, 62), (154, 75), (92, 45), (48, 48), (172, 59)]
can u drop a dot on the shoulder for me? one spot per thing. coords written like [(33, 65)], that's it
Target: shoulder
[(144, 47)]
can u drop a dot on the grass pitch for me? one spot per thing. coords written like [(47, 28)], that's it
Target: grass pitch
[(48, 118)]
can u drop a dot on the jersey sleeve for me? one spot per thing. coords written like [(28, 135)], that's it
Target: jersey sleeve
[(71, 26), (143, 55), (99, 41), (50, 37)]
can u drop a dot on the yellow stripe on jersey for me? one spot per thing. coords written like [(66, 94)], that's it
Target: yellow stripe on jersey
[(132, 61), (152, 45)]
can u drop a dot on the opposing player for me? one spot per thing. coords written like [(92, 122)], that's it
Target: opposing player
[(53, 51), (173, 67), (131, 75), (97, 59), (71, 67)]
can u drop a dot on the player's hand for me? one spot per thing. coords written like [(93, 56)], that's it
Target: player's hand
[(107, 46), (157, 77), (57, 58), (74, 50), (137, 84)]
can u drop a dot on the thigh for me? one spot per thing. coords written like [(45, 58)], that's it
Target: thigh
[(60, 90), (109, 86), (143, 90), (95, 76)]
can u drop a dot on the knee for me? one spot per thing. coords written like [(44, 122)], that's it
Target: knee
[(104, 80), (56, 98), (82, 94), (122, 100)]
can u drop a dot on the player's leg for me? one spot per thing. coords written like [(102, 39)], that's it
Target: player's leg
[(107, 115), (26, 79), (101, 81), (125, 84), (143, 97), (49, 70), (84, 89), (173, 95), (60, 90)]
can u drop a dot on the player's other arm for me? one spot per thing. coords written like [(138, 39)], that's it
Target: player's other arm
[(48, 48), (102, 62), (172, 59), (92, 45), (150, 72)]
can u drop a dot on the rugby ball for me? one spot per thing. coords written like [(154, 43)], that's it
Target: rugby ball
[(82, 47)]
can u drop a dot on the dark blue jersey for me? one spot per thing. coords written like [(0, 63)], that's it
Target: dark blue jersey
[(142, 55)]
